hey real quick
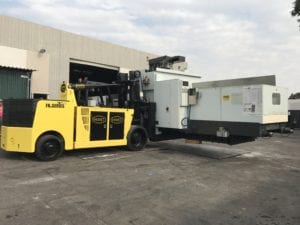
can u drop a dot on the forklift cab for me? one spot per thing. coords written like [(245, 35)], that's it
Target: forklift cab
[(99, 118)]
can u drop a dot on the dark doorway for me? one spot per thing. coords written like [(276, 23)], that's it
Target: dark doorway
[(92, 73), (39, 96)]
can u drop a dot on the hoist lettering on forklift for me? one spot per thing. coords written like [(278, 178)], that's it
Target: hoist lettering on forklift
[(117, 120), (99, 119), (55, 105)]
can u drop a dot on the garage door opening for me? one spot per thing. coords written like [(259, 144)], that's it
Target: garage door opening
[(91, 73)]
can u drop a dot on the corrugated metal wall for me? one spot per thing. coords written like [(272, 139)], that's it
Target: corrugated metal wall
[(63, 46), (12, 85)]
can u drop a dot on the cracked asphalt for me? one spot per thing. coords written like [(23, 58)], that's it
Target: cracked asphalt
[(167, 183)]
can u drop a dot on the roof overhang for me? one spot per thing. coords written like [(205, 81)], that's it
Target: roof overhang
[(16, 68)]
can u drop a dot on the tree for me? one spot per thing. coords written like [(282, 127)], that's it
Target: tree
[(296, 10), (295, 96)]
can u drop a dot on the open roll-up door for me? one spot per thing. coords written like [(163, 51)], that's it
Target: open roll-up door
[(92, 71)]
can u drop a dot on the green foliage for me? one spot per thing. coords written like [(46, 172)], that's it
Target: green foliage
[(296, 10), (295, 96)]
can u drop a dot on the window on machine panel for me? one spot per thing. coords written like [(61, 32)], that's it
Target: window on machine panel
[(276, 98)]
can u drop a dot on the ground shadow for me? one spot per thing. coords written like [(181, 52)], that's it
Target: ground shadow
[(200, 150)]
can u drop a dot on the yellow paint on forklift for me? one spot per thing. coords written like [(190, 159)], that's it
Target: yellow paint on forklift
[(54, 116), (83, 129), (73, 123), (100, 144), (16, 139), (50, 116)]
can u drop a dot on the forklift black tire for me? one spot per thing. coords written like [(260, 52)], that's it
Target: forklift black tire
[(137, 138), (49, 147)]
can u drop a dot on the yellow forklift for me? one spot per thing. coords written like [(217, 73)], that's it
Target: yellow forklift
[(76, 121)]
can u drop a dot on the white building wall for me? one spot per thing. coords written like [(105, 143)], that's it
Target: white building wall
[(62, 46), (24, 59)]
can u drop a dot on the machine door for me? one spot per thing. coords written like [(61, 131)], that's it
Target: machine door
[(116, 125), (98, 126)]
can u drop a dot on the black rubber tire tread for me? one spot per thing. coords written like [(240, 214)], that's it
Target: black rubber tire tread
[(40, 145), (131, 144)]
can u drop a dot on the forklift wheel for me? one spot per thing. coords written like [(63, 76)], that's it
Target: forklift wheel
[(137, 138), (49, 147)]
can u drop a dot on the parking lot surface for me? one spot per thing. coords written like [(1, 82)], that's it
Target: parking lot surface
[(167, 183)]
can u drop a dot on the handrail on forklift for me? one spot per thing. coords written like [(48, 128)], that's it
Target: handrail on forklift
[(92, 85)]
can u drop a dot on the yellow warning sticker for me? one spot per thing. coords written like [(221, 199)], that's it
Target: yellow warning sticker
[(226, 97)]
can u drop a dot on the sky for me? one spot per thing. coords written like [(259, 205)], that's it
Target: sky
[(221, 39)]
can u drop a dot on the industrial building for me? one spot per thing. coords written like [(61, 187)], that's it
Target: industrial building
[(35, 59)]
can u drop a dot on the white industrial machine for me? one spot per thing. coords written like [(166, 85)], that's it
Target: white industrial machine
[(241, 107), (247, 107), (294, 113), (169, 90)]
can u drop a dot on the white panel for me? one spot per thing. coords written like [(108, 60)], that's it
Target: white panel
[(271, 109), (160, 76), (167, 97), (148, 80), (294, 104), (13, 57), (184, 98), (251, 104), (209, 105), (241, 104), (252, 100)]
